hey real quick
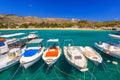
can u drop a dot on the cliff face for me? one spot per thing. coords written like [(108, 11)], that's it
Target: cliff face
[(10, 18)]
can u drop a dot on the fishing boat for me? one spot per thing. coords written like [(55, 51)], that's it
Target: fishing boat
[(74, 56), (32, 53), (109, 49), (9, 55), (32, 35), (10, 58), (114, 36), (52, 53), (91, 54)]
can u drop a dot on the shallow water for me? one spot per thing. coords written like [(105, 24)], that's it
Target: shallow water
[(61, 69)]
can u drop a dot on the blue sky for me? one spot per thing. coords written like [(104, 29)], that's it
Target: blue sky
[(100, 10)]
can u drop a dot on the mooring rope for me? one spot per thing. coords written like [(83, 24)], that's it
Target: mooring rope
[(103, 64), (56, 74), (117, 69), (93, 70), (92, 75), (15, 72), (84, 75), (23, 70), (47, 69), (67, 73), (35, 72)]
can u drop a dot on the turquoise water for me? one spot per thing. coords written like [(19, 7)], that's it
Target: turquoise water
[(62, 70)]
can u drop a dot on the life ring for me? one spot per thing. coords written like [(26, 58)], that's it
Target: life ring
[(107, 52)]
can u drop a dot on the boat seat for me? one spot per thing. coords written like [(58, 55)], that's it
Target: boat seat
[(52, 52), (30, 52)]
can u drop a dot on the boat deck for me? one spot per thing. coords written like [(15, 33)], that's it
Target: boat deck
[(90, 54), (78, 58), (30, 52), (52, 52)]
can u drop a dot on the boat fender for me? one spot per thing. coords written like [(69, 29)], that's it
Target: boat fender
[(107, 52)]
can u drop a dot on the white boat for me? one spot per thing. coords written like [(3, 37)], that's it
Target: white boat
[(74, 56), (32, 54), (10, 58), (32, 35), (114, 36), (52, 53), (109, 49), (91, 54)]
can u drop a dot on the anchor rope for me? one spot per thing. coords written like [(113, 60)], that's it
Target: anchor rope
[(93, 70), (84, 75), (35, 72), (92, 75), (56, 74), (15, 72), (117, 69), (103, 64), (66, 73), (47, 69)]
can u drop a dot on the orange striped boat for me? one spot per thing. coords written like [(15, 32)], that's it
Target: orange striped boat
[(52, 53)]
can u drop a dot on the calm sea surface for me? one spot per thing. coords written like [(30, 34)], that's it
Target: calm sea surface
[(61, 69)]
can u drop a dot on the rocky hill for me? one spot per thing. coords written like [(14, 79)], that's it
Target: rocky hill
[(15, 21), (10, 18)]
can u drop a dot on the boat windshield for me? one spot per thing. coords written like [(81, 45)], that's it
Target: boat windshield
[(2, 43), (77, 57)]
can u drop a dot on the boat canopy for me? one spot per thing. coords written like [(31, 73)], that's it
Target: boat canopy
[(53, 40), (24, 38), (70, 42), (35, 41), (11, 35)]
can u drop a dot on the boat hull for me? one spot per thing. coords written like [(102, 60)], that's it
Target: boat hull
[(114, 36), (28, 64), (95, 62), (31, 60), (10, 64), (50, 64)]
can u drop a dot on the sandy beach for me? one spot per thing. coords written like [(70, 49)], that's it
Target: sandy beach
[(54, 29)]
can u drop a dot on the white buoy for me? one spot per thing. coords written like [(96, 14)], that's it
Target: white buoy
[(114, 62), (108, 60)]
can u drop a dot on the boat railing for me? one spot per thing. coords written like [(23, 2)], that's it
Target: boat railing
[(68, 40)]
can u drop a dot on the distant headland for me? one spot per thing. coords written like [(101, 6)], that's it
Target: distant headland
[(12, 21)]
